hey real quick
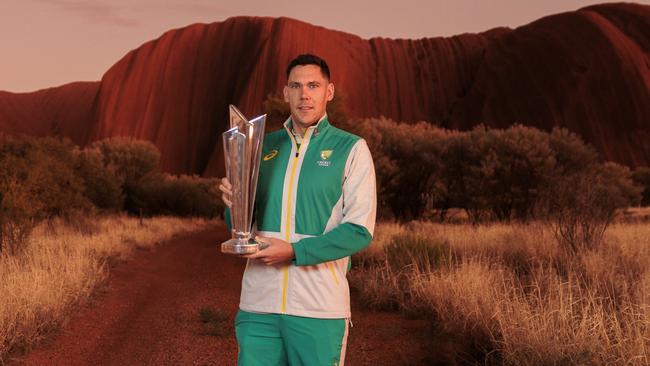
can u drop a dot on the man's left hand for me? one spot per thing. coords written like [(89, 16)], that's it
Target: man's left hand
[(277, 251)]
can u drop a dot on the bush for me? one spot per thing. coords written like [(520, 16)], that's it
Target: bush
[(499, 174), (164, 194), (514, 164), (37, 182), (642, 177), (17, 215), (581, 205), (423, 171), (102, 185), (460, 172), (131, 160), (407, 158), (571, 153)]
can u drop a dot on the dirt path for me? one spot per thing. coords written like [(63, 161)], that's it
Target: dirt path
[(148, 314)]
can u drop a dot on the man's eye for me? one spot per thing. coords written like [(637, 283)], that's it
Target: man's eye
[(313, 86)]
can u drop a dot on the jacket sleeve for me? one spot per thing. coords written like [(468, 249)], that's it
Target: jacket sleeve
[(227, 218), (356, 228)]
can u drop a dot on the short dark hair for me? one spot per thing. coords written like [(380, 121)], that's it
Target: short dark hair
[(309, 59)]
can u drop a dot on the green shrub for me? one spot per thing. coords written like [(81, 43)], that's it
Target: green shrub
[(164, 194)]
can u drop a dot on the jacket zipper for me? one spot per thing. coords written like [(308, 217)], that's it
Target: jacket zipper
[(285, 270)]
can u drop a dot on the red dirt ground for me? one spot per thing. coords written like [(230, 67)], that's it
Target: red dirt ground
[(148, 314)]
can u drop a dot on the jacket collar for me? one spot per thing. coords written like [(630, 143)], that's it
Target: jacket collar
[(321, 126)]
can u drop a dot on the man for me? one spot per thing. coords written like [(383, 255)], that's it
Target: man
[(315, 207)]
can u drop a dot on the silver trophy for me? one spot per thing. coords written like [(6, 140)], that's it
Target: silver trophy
[(242, 146)]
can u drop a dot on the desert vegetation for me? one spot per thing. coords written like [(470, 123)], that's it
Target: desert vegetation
[(63, 221), (537, 270), (519, 173), (61, 264), (46, 178), (512, 293)]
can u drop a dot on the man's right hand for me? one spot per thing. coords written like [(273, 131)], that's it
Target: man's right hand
[(226, 191)]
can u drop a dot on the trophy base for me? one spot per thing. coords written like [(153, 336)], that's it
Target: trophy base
[(240, 246)]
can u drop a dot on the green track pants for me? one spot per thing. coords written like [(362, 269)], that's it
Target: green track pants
[(279, 339)]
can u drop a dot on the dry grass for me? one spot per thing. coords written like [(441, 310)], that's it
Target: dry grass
[(62, 265), (634, 214), (509, 295)]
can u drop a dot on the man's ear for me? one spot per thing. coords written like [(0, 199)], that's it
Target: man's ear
[(285, 92), (330, 92)]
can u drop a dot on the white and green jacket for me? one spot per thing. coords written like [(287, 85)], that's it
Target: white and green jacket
[(318, 194)]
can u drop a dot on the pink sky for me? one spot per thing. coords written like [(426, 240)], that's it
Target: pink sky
[(52, 42)]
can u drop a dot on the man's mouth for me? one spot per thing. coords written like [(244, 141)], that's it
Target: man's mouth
[(305, 108)]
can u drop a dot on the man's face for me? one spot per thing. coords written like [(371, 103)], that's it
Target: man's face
[(307, 92)]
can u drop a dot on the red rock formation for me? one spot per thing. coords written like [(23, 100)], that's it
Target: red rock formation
[(587, 70), (67, 110)]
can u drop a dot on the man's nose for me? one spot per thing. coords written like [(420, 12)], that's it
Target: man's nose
[(303, 93)]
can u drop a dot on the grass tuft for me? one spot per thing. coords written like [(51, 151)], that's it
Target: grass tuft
[(214, 321)]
